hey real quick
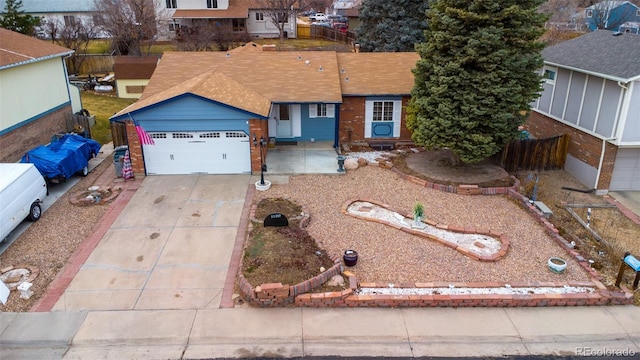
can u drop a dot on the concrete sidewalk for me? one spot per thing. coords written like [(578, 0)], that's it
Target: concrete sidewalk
[(297, 332)]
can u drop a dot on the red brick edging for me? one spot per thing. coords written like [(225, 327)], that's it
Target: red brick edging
[(280, 295)]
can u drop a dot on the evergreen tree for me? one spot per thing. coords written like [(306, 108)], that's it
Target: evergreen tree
[(478, 73), (392, 25), (13, 18)]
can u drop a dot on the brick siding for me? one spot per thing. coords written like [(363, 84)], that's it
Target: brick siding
[(259, 128), (352, 120), (582, 146), (16, 143)]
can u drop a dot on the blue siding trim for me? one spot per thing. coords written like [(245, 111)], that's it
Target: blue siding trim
[(319, 128), (194, 125), (336, 136), (34, 118), (188, 106), (382, 98)]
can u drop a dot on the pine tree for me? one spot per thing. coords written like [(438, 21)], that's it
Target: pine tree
[(13, 18), (477, 75), (391, 25)]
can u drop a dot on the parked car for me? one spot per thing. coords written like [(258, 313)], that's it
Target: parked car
[(317, 17), (342, 27), (337, 18), (22, 189), (63, 157), (323, 24)]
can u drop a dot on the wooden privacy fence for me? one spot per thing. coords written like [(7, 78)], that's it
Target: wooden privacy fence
[(80, 124), (118, 134), (307, 31), (535, 154)]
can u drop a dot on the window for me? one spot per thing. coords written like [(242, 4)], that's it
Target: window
[(284, 112), (212, 4), (259, 17), (383, 111), (135, 89), (174, 26), (321, 110), (638, 13), (549, 75), (172, 4), (98, 20), (283, 18), (239, 24), (69, 20), (589, 13), (382, 118)]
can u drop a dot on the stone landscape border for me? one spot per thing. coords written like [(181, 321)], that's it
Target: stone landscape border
[(274, 295)]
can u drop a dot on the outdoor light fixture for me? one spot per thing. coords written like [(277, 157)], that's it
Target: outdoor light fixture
[(263, 166)]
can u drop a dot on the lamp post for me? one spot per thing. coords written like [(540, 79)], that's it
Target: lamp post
[(263, 166)]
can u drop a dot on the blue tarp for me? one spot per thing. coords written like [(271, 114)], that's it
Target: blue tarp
[(64, 157)]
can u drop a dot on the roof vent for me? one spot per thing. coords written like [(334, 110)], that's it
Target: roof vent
[(227, 55), (617, 33), (343, 70), (320, 69), (307, 62), (299, 57)]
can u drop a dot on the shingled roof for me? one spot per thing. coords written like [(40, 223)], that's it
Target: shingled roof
[(17, 49), (251, 80), (615, 56)]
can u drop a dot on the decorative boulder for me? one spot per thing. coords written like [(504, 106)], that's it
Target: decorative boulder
[(363, 162), (351, 164)]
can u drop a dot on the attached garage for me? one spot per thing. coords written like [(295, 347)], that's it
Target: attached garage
[(208, 152), (626, 171)]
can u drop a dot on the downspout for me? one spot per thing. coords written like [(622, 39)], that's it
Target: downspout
[(336, 144), (604, 143)]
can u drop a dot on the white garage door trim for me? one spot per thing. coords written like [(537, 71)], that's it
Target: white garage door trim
[(626, 171), (204, 152)]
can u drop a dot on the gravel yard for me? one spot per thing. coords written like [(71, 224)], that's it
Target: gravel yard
[(48, 243), (388, 255)]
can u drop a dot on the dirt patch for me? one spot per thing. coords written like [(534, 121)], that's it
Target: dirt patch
[(287, 255), (618, 233)]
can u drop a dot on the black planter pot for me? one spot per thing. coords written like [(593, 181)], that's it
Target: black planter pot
[(350, 257)]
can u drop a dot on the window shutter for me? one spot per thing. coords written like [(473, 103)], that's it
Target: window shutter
[(368, 116), (397, 117), (331, 110), (313, 110), (296, 123)]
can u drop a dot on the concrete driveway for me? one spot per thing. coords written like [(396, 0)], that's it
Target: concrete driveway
[(169, 248)]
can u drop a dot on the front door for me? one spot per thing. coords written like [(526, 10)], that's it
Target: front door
[(284, 122)]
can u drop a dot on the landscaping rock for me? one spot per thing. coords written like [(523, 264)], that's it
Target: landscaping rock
[(351, 164), (336, 280), (362, 162)]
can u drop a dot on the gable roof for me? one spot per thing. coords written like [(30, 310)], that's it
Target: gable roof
[(251, 80), (237, 9), (18, 49), (599, 53), (53, 6), (134, 67), (377, 73)]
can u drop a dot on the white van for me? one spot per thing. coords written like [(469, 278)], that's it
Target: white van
[(22, 189)]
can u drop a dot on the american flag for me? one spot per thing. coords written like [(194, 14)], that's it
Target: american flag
[(145, 139)]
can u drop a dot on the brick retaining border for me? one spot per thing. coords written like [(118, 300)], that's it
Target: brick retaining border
[(299, 295)]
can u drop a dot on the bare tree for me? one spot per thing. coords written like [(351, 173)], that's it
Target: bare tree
[(129, 22), (209, 37), (277, 11), (609, 15), (74, 35)]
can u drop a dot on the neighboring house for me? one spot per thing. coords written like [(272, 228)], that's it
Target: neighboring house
[(205, 109), (350, 9), (630, 27), (610, 15), (132, 74), (238, 15), (592, 92), (36, 95), (62, 12)]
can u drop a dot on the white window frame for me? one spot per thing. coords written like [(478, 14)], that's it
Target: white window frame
[(396, 115), (212, 4), (260, 17), (549, 70), (171, 4), (589, 13), (322, 110)]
